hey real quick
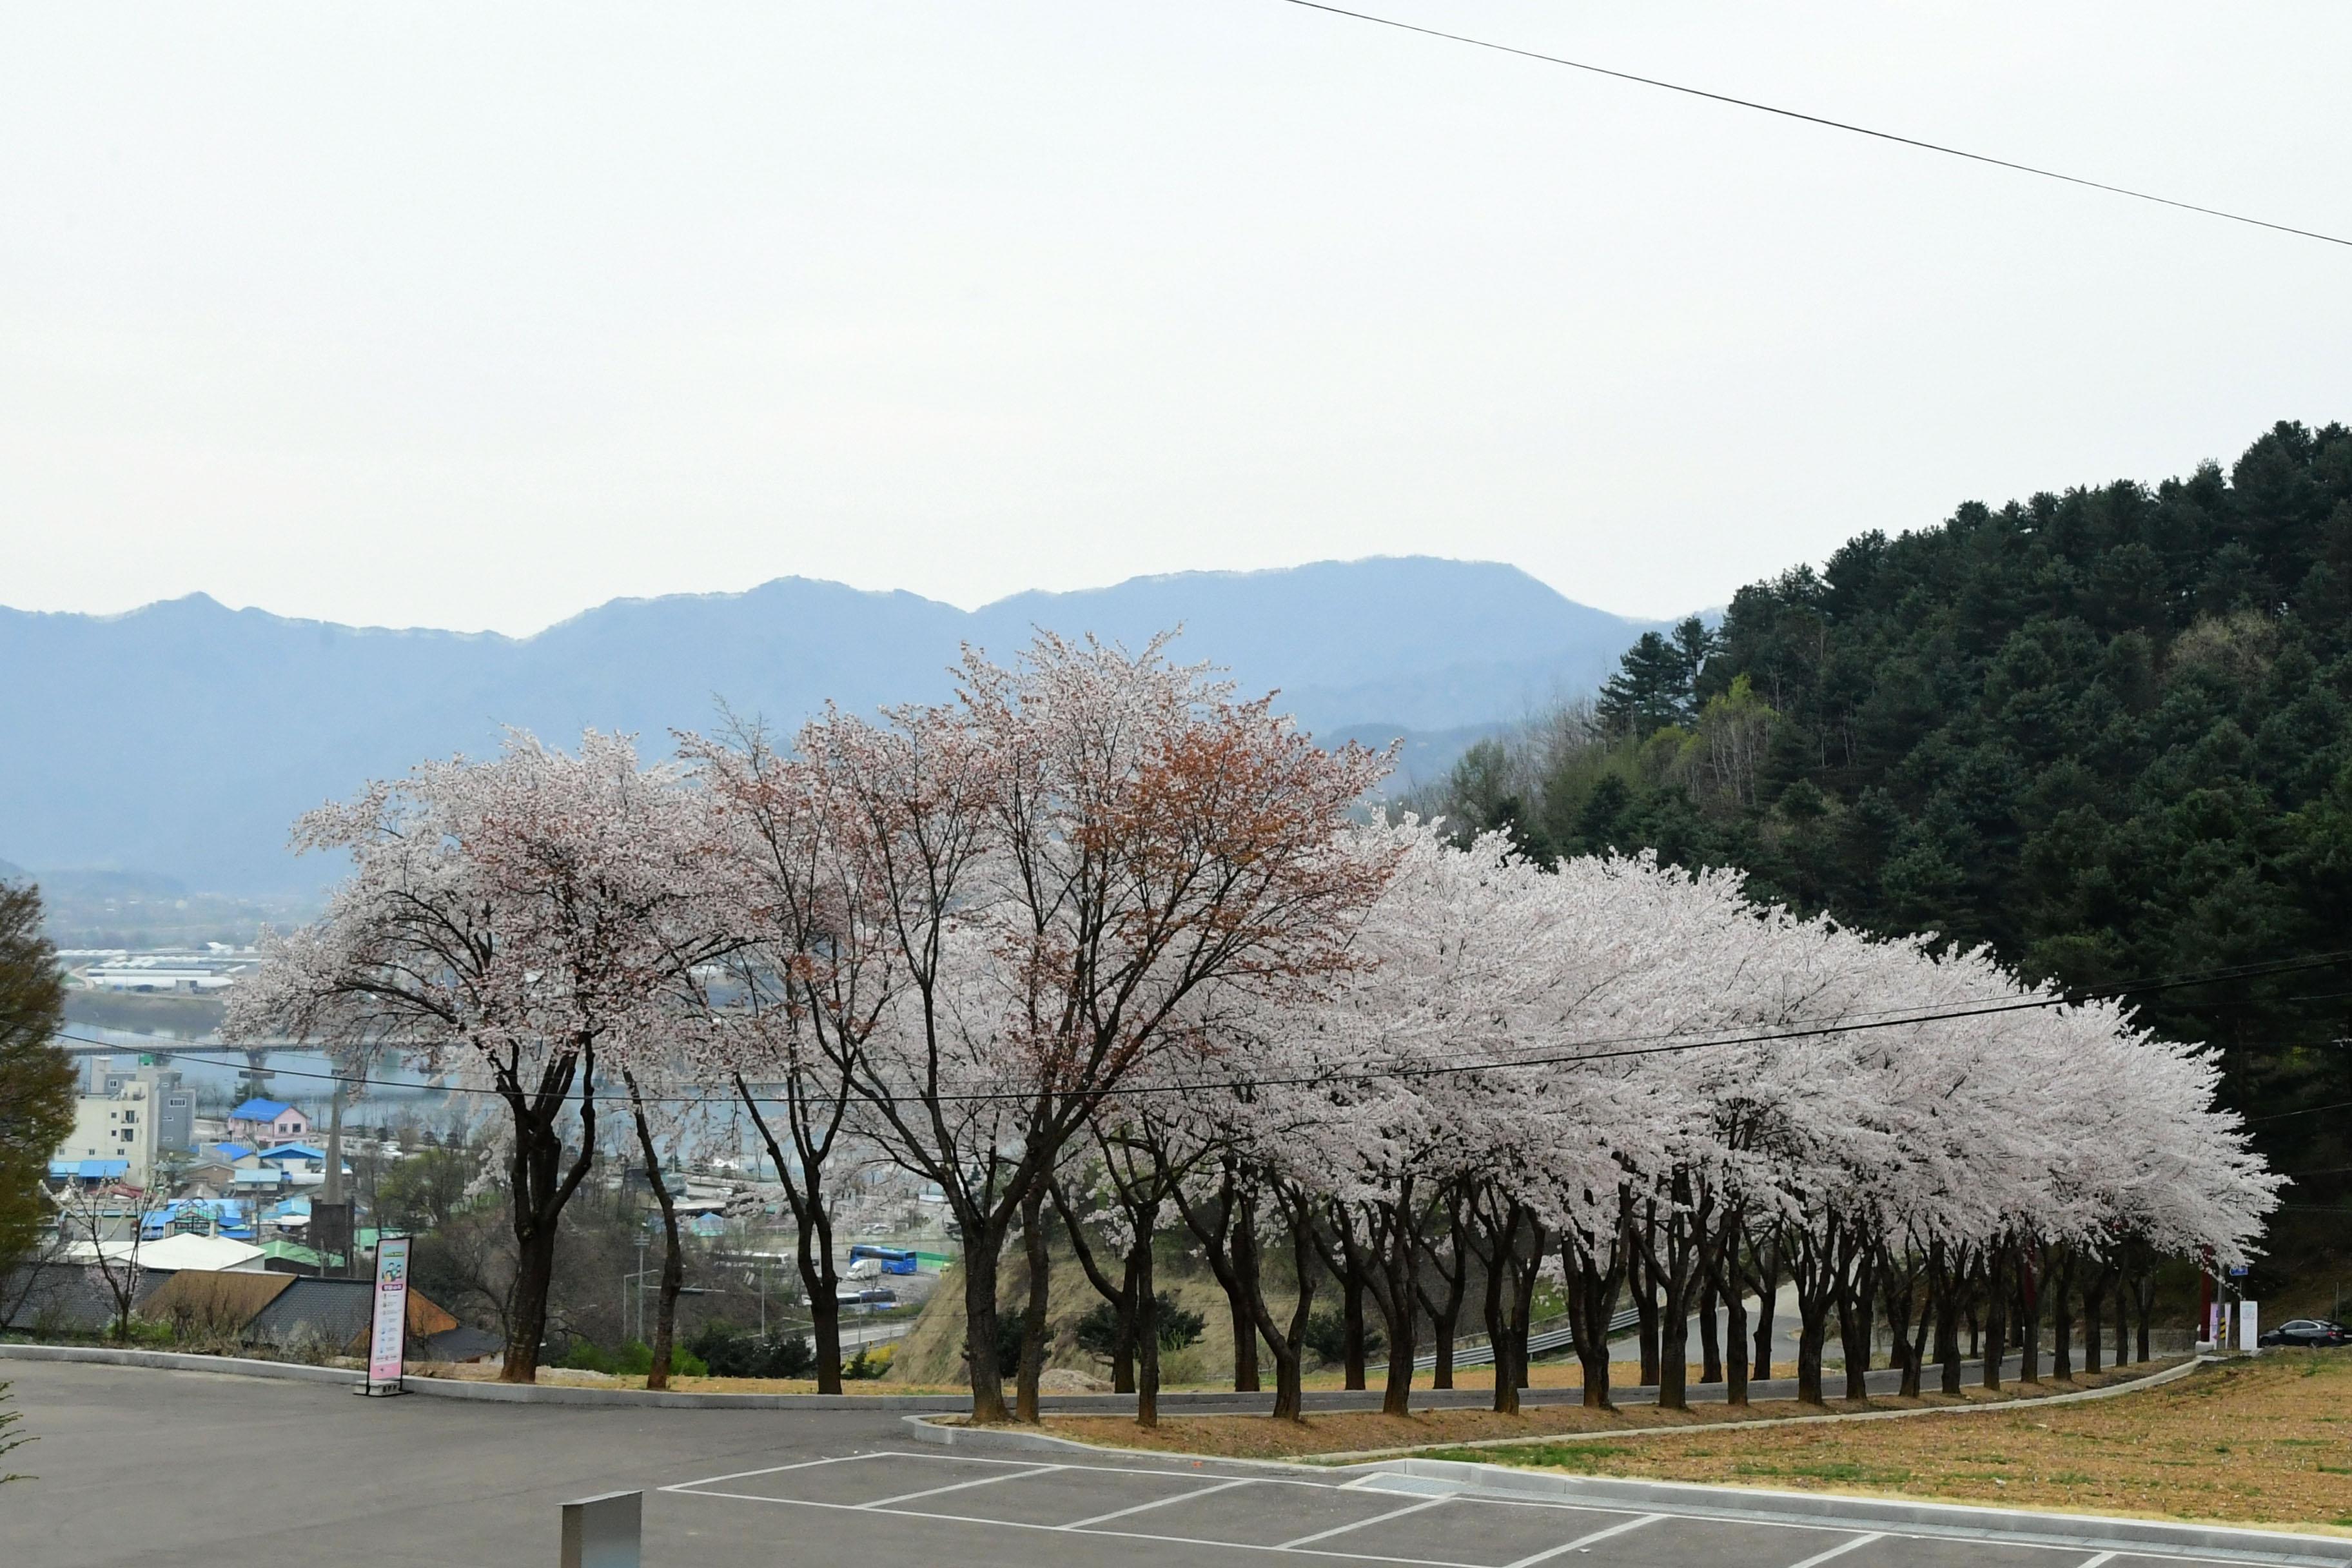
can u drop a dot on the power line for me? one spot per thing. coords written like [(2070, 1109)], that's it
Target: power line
[(1369, 1074), (2306, 1111), (1822, 120)]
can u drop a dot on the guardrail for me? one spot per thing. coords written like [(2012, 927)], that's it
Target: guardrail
[(1541, 1340)]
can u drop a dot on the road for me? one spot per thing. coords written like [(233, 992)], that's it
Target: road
[(202, 1470)]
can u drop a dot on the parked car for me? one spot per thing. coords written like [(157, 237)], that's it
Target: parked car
[(2313, 1332)]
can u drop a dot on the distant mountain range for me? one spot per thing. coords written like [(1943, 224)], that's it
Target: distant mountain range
[(181, 740)]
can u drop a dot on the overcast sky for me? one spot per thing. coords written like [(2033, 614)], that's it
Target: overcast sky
[(475, 316)]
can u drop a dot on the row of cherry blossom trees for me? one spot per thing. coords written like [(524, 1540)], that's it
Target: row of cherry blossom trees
[(1637, 1083), (1095, 946)]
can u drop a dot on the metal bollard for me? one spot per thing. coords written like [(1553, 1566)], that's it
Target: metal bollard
[(604, 1531)]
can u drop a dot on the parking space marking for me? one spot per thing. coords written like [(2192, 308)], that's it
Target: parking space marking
[(1842, 1547), (1360, 1524), (961, 1486), (1156, 1502), (1208, 1482), (1582, 1542), (771, 1470)]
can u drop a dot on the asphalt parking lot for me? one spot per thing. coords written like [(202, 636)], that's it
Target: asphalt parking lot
[(144, 1467)]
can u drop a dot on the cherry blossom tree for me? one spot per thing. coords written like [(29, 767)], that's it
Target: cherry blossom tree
[(510, 924), (1062, 858)]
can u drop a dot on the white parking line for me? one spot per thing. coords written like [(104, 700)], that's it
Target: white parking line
[(1156, 1502), (1106, 1534), (2092, 1562), (1842, 1547), (1582, 1542), (960, 1486), (771, 1470), (1376, 1518)]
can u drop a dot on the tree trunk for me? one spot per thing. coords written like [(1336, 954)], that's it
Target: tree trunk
[(2123, 1294), (1671, 1261), (1147, 1328), (673, 1274), (1231, 1245), (1391, 1275), (2029, 1315), (527, 1302), (1735, 1347), (2058, 1281), (1996, 1335), (1857, 1287), (1642, 1280), (813, 1246), (1246, 1270), (2095, 1302), (1710, 1340), (1033, 1316), (541, 1184), (1351, 1309), (1446, 1309), (1765, 1276), (2145, 1296), (1120, 1299), (1523, 1297), (1591, 1302), (1122, 1344), (1497, 1299), (1915, 1355), (982, 1245), (1944, 1275)]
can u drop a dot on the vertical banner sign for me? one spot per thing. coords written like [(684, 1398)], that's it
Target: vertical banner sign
[(388, 1329)]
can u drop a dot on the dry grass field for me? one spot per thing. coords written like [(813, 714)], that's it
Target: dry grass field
[(2266, 1441)]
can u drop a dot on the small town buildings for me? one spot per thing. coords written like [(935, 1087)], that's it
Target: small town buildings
[(199, 1216), (87, 1175), (172, 1103), (265, 1122), (118, 1126)]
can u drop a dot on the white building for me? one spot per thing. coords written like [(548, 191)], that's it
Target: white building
[(118, 1126), (184, 972)]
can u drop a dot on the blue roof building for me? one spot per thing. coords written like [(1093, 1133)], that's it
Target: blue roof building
[(197, 1216), (89, 1170)]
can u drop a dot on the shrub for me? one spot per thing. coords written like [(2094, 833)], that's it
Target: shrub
[(583, 1356), (1097, 1331), (728, 1351), (1326, 1338)]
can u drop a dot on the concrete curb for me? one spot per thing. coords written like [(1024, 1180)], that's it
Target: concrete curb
[(176, 1360), (554, 1394)]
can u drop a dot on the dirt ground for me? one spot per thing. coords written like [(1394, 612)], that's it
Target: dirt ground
[(1335, 1432), (2267, 1441)]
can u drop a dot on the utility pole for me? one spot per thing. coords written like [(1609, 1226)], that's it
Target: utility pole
[(331, 1190)]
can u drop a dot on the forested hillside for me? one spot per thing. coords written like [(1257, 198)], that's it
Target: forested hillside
[(2103, 732)]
